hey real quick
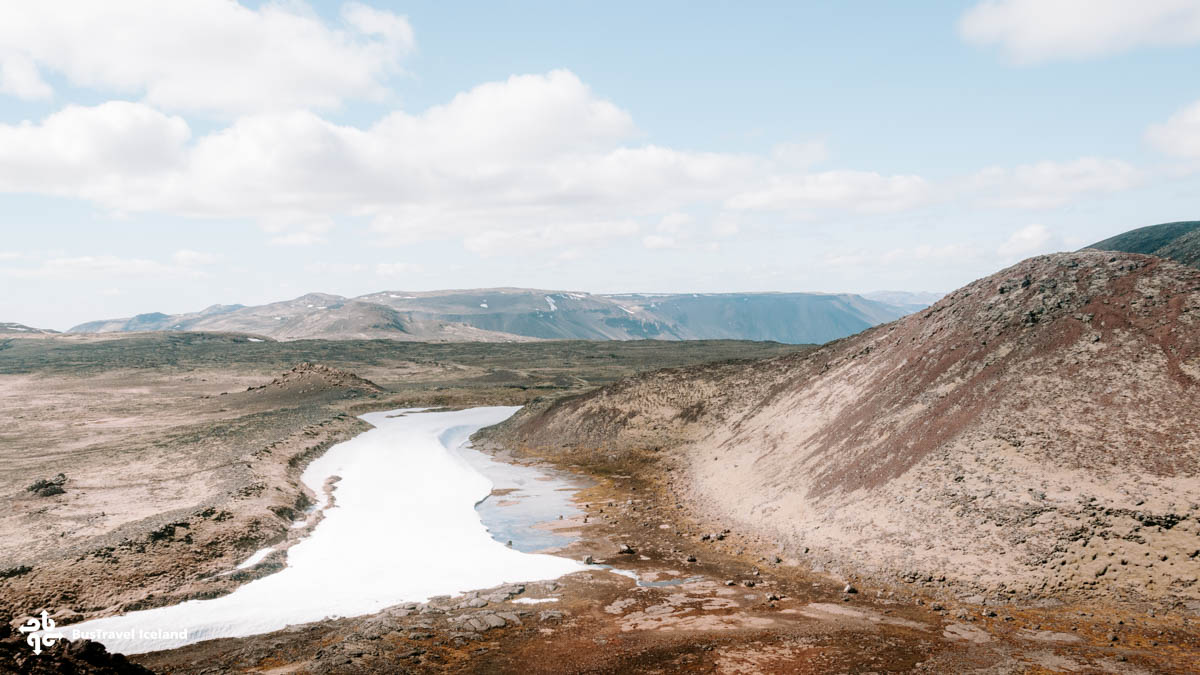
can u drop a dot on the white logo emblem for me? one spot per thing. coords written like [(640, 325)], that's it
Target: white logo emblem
[(41, 632)]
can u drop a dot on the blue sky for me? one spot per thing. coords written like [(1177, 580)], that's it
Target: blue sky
[(164, 157)]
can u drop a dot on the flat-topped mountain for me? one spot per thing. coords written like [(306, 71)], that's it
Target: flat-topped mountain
[(507, 314), (1177, 241), (9, 328), (1032, 433)]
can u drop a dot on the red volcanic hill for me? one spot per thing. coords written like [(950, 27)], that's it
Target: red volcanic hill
[(1035, 432)]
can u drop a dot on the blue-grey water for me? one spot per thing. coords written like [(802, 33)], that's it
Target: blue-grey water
[(534, 495)]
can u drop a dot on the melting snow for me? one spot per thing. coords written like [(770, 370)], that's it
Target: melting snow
[(256, 558), (403, 474)]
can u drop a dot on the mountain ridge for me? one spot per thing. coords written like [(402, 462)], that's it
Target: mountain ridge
[(519, 314), (1178, 241)]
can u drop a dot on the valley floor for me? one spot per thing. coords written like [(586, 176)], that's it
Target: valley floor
[(177, 470)]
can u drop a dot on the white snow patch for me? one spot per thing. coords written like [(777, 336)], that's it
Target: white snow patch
[(254, 339), (534, 601), (627, 309), (550, 301), (404, 529), (483, 305), (256, 558), (624, 573)]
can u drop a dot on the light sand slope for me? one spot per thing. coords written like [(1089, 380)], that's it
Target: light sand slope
[(1034, 433)]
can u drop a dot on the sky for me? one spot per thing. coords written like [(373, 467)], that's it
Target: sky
[(170, 156)]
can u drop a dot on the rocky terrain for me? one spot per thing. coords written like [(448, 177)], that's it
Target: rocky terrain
[(1031, 437), (156, 462), (1175, 241), (514, 314)]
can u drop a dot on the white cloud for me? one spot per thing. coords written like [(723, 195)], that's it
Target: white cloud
[(20, 77), (1033, 31), (674, 223), (856, 191), (1050, 184), (327, 268), (212, 56), (905, 256), (534, 161), (800, 155), (562, 235), (118, 154), (659, 241), (396, 269), (297, 239), (1027, 241), (189, 258), (95, 268), (1180, 134)]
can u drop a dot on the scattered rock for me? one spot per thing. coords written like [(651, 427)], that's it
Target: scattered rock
[(47, 487)]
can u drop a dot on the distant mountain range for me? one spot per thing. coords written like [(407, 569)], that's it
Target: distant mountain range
[(508, 314)]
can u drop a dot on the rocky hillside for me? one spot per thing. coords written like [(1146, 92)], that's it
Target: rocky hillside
[(310, 382), (1031, 434), (1177, 241), (511, 314)]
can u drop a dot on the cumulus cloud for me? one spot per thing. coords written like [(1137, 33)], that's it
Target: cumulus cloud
[(211, 56), (659, 241), (534, 161), (920, 254), (857, 191), (189, 258), (396, 269), (118, 154), (20, 77), (100, 267), (1180, 134), (1034, 31), (1049, 184), (562, 236), (1029, 240)]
